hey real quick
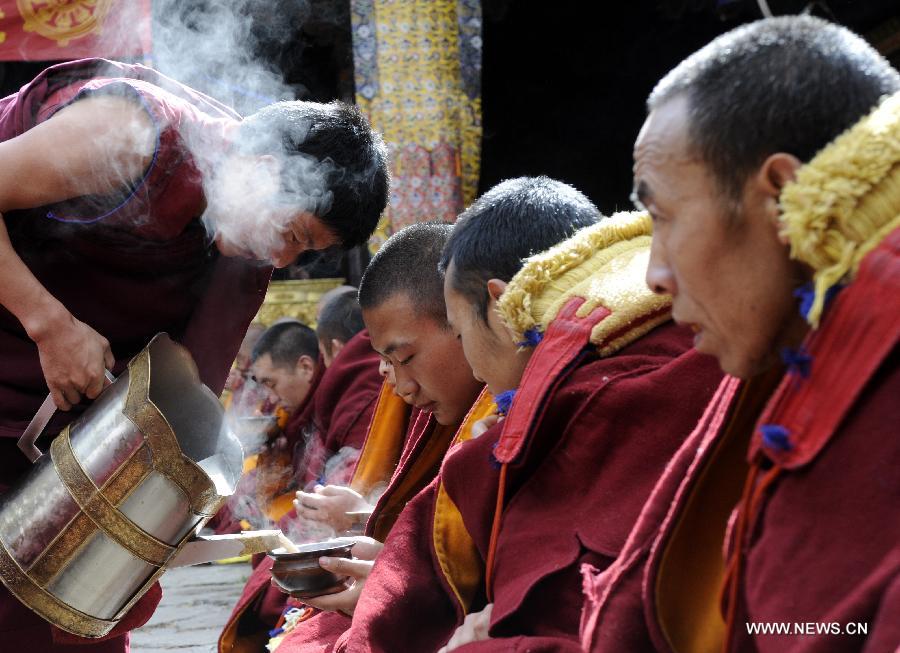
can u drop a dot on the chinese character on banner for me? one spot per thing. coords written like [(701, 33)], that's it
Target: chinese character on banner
[(48, 30)]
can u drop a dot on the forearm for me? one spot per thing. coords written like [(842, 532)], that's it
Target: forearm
[(23, 295)]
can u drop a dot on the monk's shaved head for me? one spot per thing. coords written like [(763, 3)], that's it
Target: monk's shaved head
[(408, 263)]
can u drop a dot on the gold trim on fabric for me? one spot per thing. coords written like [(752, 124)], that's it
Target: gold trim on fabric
[(70, 539), (454, 548), (384, 442), (99, 508), (45, 604), (168, 459)]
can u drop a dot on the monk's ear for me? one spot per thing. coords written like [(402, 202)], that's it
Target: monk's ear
[(336, 346), (777, 170), (774, 174), (306, 365), (496, 288)]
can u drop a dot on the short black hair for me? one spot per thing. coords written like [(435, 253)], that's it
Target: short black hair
[(285, 342), (512, 221), (338, 142), (408, 263), (788, 84), (340, 318)]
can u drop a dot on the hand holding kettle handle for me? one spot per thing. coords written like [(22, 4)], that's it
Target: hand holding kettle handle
[(38, 424)]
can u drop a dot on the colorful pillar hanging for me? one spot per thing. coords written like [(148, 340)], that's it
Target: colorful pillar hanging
[(418, 79)]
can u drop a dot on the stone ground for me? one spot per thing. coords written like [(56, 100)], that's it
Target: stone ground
[(196, 602)]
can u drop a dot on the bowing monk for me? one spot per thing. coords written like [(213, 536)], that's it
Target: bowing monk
[(131, 205), (770, 162), (401, 295), (598, 389), (403, 305), (285, 361)]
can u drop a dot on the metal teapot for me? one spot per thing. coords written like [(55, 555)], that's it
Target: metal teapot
[(124, 488)]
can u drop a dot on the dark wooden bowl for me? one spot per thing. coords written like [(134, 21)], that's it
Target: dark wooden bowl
[(300, 575)]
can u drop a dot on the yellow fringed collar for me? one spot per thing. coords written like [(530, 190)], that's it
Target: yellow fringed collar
[(845, 201), (606, 265)]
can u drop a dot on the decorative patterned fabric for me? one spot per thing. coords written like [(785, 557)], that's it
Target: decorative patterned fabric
[(37, 30), (418, 79)]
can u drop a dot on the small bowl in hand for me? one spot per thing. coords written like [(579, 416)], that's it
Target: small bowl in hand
[(300, 575)]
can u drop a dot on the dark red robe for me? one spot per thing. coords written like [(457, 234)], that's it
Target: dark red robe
[(816, 540), (601, 439), (337, 415), (145, 266), (342, 408), (424, 450)]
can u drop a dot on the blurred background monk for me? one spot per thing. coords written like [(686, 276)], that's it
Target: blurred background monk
[(285, 362), (131, 205), (403, 306), (775, 201)]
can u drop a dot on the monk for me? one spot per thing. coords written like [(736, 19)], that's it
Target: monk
[(150, 207), (776, 527), (233, 396), (401, 294), (284, 361), (598, 389)]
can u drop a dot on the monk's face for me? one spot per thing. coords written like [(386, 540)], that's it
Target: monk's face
[(288, 384), (427, 360), (251, 217), (720, 259), (486, 341)]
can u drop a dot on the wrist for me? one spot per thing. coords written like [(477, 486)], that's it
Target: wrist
[(44, 318)]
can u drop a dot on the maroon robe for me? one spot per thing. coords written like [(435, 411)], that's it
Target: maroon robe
[(425, 447), (603, 436), (816, 541), (337, 415), (342, 408), (129, 267)]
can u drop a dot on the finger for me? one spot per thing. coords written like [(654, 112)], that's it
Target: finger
[(72, 396), (357, 569), (331, 602), (108, 359), (313, 517), (331, 490), (367, 549), (311, 501), (95, 386), (60, 399)]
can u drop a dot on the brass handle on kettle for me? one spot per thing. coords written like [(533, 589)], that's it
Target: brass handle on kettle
[(39, 423)]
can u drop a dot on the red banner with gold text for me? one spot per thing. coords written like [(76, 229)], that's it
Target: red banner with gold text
[(49, 30)]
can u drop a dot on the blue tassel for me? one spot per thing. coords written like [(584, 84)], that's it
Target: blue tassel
[(532, 338), (504, 401), (276, 632), (492, 459), (807, 293), (776, 437), (798, 361)]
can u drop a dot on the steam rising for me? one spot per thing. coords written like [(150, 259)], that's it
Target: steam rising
[(213, 46), (256, 190)]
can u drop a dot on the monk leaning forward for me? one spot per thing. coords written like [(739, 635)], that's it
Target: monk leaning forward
[(103, 247)]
